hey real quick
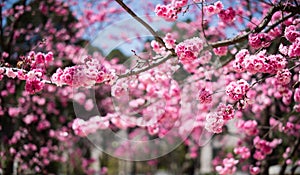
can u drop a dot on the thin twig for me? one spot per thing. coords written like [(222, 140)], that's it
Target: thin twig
[(131, 73)]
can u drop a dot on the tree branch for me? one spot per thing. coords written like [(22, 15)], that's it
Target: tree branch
[(240, 38), (146, 25), (157, 63), (260, 27)]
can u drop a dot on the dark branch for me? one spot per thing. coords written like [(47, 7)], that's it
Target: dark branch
[(239, 38), (146, 25)]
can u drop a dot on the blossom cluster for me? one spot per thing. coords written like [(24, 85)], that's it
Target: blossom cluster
[(86, 74), (259, 40), (263, 147), (220, 51), (226, 111), (228, 15), (291, 127), (291, 33), (214, 8), (39, 59), (214, 123), (216, 120), (189, 49), (169, 41), (159, 115), (243, 151), (205, 96), (237, 90), (84, 128), (258, 63), (37, 63), (169, 12), (283, 77), (249, 127), (228, 167)]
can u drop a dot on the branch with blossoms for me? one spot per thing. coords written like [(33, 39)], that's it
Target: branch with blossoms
[(239, 38), (257, 81)]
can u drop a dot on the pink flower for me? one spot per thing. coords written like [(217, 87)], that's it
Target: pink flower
[(243, 151), (210, 9), (297, 95), (213, 9), (49, 57), (258, 155), (168, 12), (157, 47), (237, 90), (229, 166), (179, 3), (13, 112), (254, 170), (205, 96), (218, 6), (28, 119), (89, 105), (264, 147), (39, 58), (5, 55), (77, 126), (33, 86), (249, 127), (283, 77), (169, 41), (10, 73), (294, 49), (221, 51), (188, 50), (86, 74), (227, 16), (239, 60), (226, 111), (291, 33), (214, 123), (119, 88), (259, 40), (44, 124)]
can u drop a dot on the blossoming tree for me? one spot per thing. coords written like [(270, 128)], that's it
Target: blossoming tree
[(222, 68)]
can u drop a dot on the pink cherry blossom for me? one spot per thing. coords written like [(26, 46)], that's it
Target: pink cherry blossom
[(189, 49), (237, 90), (205, 96), (214, 123), (291, 33), (228, 15), (283, 77), (259, 40), (220, 51), (243, 151)]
